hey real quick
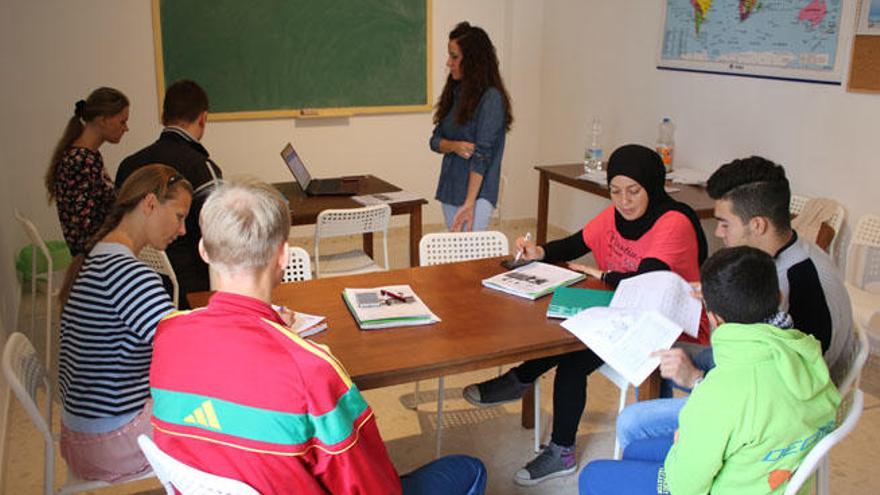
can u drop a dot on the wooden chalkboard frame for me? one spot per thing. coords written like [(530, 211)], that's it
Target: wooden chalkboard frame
[(304, 113)]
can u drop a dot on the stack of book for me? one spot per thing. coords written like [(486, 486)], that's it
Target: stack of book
[(389, 306)]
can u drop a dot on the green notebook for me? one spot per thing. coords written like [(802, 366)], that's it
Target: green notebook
[(568, 301)]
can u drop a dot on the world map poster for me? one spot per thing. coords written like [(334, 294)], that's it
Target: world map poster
[(786, 39)]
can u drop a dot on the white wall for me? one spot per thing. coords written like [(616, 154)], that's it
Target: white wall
[(599, 59), (564, 61), (64, 49)]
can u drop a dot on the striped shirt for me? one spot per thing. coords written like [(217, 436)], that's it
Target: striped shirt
[(107, 328)]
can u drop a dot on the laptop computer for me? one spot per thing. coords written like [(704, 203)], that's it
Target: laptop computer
[(316, 187)]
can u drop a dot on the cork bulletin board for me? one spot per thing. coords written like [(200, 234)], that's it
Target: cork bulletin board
[(864, 69)]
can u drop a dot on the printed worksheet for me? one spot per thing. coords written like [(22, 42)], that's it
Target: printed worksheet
[(624, 338), (665, 292)]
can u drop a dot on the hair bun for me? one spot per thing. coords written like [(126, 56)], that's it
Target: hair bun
[(79, 108)]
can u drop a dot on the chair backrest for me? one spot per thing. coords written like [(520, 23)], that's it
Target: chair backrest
[(796, 207), (850, 410), (298, 266), (863, 257), (854, 360), (186, 479), (38, 243), (449, 247), (159, 262), (352, 221), (26, 375)]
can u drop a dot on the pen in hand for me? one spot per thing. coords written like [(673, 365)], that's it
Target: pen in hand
[(520, 252)]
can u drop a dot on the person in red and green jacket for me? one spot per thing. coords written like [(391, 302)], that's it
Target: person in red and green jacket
[(755, 416), (236, 393)]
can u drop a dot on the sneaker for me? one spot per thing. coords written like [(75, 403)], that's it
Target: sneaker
[(553, 462), (505, 388)]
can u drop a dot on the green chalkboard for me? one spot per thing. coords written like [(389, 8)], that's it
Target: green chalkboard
[(273, 58)]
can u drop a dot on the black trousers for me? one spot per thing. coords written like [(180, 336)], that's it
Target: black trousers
[(569, 388)]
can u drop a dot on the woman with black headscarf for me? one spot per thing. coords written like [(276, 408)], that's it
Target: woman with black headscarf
[(643, 230)]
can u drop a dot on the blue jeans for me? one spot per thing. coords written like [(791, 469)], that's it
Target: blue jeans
[(648, 419), (638, 473), (482, 214), (451, 474)]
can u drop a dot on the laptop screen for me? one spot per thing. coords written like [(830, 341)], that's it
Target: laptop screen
[(296, 166)]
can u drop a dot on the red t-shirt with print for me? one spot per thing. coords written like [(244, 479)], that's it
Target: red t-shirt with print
[(671, 239)]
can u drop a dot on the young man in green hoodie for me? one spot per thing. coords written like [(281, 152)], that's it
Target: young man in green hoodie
[(754, 417)]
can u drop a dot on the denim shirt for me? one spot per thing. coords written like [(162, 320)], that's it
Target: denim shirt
[(487, 131)]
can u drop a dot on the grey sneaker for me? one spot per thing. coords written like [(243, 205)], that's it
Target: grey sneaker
[(553, 462), (505, 388)]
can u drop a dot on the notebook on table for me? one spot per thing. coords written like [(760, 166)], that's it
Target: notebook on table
[(533, 280), (316, 187)]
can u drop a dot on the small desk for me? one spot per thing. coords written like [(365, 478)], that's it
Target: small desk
[(304, 209), (694, 196), (480, 327)]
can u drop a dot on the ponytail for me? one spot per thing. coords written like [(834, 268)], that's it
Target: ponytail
[(102, 102), (161, 180)]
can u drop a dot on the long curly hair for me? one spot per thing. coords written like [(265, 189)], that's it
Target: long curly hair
[(479, 72)]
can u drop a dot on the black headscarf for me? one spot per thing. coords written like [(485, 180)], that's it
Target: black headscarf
[(645, 166)]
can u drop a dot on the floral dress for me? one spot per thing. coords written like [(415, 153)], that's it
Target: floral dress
[(84, 194)]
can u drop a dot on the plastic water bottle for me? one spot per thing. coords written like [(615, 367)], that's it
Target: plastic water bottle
[(666, 143), (593, 153)]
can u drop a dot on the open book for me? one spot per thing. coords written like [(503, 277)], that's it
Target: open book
[(389, 306), (647, 313), (533, 280), (304, 324)]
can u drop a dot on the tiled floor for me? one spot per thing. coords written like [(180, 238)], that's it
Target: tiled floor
[(492, 434)]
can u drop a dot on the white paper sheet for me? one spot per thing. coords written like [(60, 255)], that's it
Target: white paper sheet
[(662, 291), (624, 338)]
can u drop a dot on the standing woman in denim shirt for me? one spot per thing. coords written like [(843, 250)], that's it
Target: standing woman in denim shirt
[(471, 119)]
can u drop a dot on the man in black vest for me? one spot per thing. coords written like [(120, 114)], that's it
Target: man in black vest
[(184, 115)]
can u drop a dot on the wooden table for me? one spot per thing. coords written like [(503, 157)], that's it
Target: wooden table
[(480, 327), (694, 196), (304, 209)]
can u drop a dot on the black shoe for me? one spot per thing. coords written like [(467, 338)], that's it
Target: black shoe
[(506, 388)]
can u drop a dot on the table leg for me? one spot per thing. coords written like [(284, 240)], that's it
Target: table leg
[(528, 408), (368, 245), (415, 234), (543, 204), (650, 388)]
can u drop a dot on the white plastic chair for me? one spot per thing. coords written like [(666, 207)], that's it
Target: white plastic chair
[(796, 206), (615, 378), (863, 272), (345, 222), (26, 375), (851, 410), (450, 247), (186, 479), (53, 287), (298, 267), (159, 262)]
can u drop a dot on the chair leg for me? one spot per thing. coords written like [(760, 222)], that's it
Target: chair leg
[(620, 407), (415, 405), (822, 474), (537, 387), (440, 393)]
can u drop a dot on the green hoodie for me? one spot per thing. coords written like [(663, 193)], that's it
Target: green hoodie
[(748, 425)]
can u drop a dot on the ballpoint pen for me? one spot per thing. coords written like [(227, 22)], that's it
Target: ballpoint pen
[(393, 295), (519, 253)]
